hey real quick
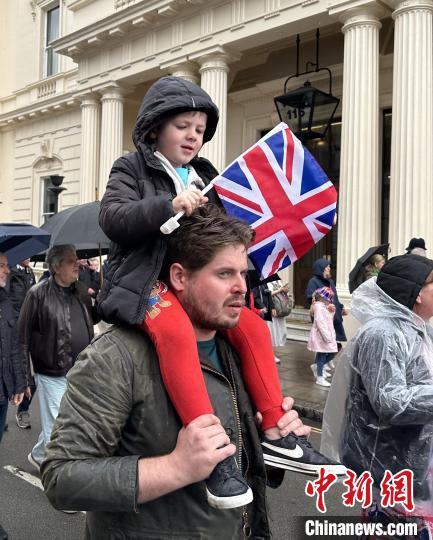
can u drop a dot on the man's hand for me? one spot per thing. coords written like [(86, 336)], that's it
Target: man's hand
[(28, 392), (188, 201), (200, 446), (344, 312), (288, 423), (17, 398)]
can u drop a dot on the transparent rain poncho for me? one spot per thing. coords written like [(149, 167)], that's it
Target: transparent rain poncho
[(379, 411)]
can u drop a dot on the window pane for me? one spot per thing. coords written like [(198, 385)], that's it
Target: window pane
[(52, 24), (52, 33), (52, 62)]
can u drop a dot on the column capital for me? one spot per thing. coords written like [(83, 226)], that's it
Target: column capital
[(404, 6), (89, 98), (183, 68), (355, 13), (215, 57), (113, 91)]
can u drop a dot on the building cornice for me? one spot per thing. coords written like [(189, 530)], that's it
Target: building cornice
[(132, 18), (130, 21), (251, 30), (38, 111)]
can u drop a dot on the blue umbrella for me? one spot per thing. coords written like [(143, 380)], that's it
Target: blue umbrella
[(19, 241)]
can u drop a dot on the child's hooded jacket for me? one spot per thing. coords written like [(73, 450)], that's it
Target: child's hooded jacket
[(138, 199)]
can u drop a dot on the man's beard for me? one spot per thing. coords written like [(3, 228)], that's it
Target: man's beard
[(203, 318)]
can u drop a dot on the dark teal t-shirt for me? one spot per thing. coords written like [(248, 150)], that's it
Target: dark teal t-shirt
[(209, 349)]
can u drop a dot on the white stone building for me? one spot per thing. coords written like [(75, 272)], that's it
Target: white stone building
[(73, 73)]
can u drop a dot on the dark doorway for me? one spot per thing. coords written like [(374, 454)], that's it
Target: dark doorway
[(386, 175)]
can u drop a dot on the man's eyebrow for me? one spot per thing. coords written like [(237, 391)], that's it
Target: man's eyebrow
[(231, 268)]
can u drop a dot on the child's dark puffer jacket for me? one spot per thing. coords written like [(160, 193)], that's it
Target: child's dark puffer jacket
[(138, 199)]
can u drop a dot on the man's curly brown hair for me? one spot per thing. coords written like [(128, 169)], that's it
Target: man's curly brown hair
[(201, 235)]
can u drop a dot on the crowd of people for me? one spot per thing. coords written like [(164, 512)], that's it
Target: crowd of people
[(172, 422)]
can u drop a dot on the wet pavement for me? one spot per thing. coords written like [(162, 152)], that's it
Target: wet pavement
[(297, 379)]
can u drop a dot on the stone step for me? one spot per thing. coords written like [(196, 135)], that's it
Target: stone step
[(298, 329), (300, 314)]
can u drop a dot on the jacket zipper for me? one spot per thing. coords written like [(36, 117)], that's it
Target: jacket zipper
[(246, 529), (239, 425), (235, 407)]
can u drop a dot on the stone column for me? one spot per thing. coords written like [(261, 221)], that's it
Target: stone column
[(411, 193), (111, 132), (185, 70), (359, 191), (90, 133), (214, 68)]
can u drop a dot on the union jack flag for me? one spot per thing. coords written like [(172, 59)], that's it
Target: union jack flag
[(279, 189)]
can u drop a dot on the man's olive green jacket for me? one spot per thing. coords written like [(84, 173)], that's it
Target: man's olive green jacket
[(115, 411)]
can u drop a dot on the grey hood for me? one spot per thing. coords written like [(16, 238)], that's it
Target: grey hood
[(167, 97)]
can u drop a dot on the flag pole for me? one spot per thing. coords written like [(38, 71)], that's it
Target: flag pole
[(173, 223)]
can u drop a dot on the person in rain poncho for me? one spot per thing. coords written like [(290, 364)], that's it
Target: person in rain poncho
[(379, 413)]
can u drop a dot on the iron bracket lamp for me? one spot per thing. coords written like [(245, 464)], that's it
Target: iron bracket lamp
[(307, 110), (56, 189)]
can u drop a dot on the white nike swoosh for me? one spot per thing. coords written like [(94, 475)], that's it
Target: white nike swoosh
[(296, 453)]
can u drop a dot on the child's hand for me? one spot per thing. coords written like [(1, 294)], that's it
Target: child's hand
[(188, 201)]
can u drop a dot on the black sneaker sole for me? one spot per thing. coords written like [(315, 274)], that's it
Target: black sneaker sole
[(225, 503), (306, 468)]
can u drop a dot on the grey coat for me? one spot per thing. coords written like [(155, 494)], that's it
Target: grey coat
[(116, 410)]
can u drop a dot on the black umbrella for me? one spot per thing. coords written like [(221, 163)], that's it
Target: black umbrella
[(19, 241), (356, 276), (79, 226)]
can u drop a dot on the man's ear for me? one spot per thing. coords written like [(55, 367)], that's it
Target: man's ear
[(177, 277), (418, 299)]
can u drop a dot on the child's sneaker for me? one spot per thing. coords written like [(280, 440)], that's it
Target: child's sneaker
[(226, 487), (321, 381), (326, 372), (297, 454)]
